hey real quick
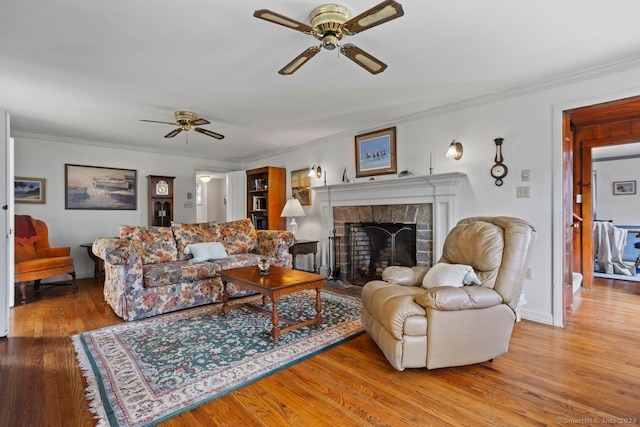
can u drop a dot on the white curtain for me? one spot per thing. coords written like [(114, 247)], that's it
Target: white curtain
[(609, 242)]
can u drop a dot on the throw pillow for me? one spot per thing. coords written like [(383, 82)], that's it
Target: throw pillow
[(154, 244), (206, 251), (443, 274)]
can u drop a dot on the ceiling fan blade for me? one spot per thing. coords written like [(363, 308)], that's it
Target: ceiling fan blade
[(200, 121), (155, 121), (299, 61), (173, 133), (209, 133), (363, 59), (385, 11), (276, 18)]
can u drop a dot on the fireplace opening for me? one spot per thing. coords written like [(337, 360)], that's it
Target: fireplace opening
[(375, 246), (361, 244)]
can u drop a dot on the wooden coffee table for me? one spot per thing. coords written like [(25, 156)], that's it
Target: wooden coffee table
[(279, 282)]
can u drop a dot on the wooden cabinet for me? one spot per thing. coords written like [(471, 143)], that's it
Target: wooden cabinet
[(266, 196), (160, 194)]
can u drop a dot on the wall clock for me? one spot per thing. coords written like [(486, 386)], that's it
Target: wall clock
[(499, 169)]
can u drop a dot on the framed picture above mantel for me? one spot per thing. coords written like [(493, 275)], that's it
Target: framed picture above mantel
[(376, 153)]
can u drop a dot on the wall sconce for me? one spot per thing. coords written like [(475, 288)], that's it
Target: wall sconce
[(455, 150), (292, 209), (205, 178), (315, 171)]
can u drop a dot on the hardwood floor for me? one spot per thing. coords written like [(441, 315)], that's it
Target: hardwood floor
[(586, 373)]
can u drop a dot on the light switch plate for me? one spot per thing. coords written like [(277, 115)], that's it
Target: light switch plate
[(522, 192)]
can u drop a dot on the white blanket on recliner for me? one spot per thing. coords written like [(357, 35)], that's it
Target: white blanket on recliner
[(609, 242)]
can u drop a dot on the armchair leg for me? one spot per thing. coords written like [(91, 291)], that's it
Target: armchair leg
[(36, 285), (23, 292), (73, 280)]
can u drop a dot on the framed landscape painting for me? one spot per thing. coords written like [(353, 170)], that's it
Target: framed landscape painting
[(376, 153), (29, 190), (96, 187), (624, 187)]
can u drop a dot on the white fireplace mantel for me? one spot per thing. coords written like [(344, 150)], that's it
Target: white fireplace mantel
[(438, 189)]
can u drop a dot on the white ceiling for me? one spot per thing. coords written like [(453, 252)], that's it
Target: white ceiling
[(88, 71)]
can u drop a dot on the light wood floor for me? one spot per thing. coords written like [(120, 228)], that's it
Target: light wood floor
[(586, 373)]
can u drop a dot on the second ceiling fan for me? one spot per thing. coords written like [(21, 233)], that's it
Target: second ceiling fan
[(329, 23), (185, 121)]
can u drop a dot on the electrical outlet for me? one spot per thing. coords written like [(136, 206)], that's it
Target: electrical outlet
[(528, 274), (522, 192)]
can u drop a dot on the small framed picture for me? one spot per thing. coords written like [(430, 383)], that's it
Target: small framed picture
[(624, 187), (376, 153), (301, 186), (29, 190)]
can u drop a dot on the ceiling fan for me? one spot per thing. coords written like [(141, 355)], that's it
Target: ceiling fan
[(186, 120), (329, 23)]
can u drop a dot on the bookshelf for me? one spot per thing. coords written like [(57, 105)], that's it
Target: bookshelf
[(266, 196)]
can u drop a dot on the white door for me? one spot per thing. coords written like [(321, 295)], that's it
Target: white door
[(236, 195), (6, 200)]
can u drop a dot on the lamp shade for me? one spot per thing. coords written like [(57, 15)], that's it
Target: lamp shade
[(292, 208), (455, 150)]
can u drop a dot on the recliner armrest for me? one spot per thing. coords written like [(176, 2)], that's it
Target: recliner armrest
[(449, 298)]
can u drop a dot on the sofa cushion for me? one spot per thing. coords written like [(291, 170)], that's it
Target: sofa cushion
[(154, 244), (243, 260), (170, 273), (187, 234), (456, 275), (238, 236), (206, 251)]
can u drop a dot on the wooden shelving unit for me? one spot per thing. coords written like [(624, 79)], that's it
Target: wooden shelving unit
[(266, 196)]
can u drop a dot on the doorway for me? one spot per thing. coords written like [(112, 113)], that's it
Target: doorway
[(584, 128), (211, 196)]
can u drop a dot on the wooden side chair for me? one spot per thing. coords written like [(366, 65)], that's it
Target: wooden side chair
[(35, 259)]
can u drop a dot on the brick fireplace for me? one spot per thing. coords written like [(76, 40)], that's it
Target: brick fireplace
[(372, 237), (426, 202)]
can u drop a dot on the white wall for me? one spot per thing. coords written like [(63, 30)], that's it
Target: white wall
[(42, 158), (622, 209), (531, 127)]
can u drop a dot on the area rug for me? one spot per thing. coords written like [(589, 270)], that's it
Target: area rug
[(143, 372)]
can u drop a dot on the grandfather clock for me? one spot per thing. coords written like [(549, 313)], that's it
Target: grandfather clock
[(160, 200)]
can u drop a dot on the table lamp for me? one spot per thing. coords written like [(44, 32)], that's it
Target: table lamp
[(292, 209)]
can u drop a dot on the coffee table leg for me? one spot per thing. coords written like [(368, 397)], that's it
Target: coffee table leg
[(275, 331), (225, 298), (318, 309)]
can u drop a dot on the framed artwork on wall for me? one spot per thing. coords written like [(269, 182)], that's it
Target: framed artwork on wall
[(376, 153), (301, 186), (624, 187), (99, 188), (29, 190)]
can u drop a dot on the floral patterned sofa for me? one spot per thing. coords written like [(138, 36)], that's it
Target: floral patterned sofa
[(150, 271)]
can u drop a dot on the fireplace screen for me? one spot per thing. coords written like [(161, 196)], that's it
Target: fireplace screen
[(374, 246)]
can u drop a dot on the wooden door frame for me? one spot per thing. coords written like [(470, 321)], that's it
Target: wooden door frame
[(616, 121)]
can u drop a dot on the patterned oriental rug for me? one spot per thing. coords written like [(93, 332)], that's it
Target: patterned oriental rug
[(143, 372)]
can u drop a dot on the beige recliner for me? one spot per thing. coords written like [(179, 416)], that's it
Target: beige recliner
[(446, 325)]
